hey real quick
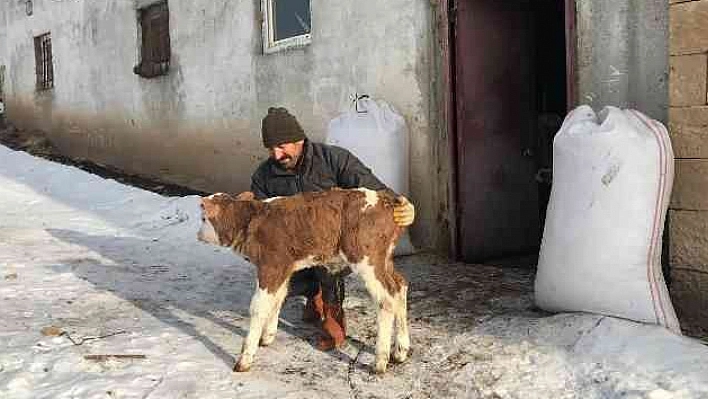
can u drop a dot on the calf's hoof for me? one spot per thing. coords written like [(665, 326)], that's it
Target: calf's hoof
[(266, 340), (380, 366), (241, 366), (400, 354)]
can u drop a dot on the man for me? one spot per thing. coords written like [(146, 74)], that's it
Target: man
[(298, 165)]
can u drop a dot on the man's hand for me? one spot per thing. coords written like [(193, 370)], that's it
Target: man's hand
[(403, 212)]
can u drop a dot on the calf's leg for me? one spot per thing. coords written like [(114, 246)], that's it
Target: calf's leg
[(271, 327), (385, 312), (383, 339), (261, 309), (402, 341)]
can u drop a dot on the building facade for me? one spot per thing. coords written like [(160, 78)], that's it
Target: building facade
[(177, 89)]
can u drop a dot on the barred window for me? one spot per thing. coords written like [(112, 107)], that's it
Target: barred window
[(155, 41), (43, 62), (286, 24)]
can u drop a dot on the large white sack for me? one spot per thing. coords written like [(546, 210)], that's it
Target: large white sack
[(601, 248), (378, 136)]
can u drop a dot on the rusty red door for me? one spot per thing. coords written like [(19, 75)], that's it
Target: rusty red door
[(497, 194)]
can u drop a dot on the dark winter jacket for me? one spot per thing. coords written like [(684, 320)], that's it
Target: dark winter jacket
[(321, 167)]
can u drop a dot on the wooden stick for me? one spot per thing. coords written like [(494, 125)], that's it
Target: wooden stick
[(84, 339)]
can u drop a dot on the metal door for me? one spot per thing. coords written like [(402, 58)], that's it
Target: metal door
[(498, 212)]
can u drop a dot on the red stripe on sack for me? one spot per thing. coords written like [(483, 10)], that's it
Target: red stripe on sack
[(666, 299), (659, 310), (651, 261)]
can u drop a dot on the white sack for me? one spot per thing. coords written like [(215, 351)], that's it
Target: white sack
[(378, 136), (601, 248)]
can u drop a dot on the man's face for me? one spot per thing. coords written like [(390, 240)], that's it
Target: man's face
[(287, 154)]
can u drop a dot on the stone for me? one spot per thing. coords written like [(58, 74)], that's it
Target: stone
[(688, 240), (688, 27), (687, 79), (690, 191), (688, 294), (688, 128), (52, 331)]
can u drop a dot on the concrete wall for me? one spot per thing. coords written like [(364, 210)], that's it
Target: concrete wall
[(622, 54), (200, 125), (688, 125)]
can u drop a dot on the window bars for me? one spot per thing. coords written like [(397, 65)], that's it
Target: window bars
[(44, 68)]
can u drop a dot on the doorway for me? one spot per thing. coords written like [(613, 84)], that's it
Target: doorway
[(510, 94)]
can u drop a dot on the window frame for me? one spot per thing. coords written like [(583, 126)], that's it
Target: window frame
[(147, 67), (43, 62), (270, 45)]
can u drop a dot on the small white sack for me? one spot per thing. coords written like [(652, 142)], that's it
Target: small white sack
[(378, 136), (601, 248)]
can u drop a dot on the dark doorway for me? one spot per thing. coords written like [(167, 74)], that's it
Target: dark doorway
[(509, 82)]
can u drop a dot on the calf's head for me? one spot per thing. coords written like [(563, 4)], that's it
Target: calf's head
[(225, 218)]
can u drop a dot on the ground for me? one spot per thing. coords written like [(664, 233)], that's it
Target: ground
[(91, 267)]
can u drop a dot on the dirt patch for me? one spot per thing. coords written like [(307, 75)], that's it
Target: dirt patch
[(36, 142)]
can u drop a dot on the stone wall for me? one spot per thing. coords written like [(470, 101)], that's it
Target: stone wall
[(688, 124)]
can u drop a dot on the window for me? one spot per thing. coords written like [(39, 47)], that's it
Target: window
[(286, 24), (44, 68), (155, 41)]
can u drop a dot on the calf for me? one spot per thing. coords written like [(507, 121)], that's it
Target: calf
[(335, 229)]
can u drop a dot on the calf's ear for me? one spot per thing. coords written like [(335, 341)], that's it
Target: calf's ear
[(246, 196)]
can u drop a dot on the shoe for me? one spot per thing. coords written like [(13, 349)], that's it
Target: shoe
[(334, 328)]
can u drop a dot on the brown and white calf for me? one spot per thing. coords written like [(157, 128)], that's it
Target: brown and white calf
[(336, 229)]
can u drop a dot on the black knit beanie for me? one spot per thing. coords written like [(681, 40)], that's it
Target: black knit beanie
[(279, 127)]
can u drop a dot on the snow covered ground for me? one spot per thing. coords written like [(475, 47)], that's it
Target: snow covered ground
[(92, 267)]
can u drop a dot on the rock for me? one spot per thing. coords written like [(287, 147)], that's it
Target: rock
[(52, 331)]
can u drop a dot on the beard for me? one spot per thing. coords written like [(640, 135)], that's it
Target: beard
[(288, 162)]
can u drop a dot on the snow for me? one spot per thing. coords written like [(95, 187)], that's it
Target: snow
[(118, 271)]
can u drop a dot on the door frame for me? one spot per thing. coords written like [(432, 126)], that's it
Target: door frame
[(446, 19)]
